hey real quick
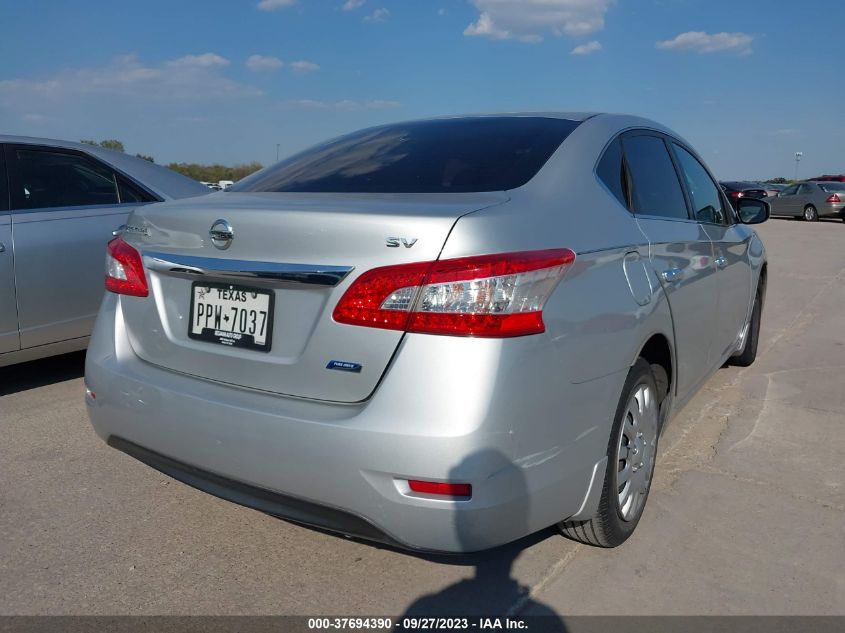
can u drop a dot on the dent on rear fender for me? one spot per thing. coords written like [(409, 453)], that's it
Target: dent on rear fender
[(598, 321)]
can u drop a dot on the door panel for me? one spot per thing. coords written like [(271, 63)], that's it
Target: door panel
[(9, 340), (60, 257), (680, 251), (730, 250), (59, 250), (788, 201), (681, 255)]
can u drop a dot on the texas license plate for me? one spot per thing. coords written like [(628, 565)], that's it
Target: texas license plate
[(229, 315)]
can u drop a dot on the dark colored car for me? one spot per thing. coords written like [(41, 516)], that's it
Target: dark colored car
[(741, 189)]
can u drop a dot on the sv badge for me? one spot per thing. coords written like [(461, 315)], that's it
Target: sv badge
[(394, 242)]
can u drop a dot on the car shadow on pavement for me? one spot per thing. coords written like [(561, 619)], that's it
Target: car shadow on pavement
[(491, 591), (39, 373)]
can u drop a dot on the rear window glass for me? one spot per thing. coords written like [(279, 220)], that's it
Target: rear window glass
[(440, 156), (830, 187)]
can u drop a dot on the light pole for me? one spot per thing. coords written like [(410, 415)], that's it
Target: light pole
[(277, 152), (798, 156)]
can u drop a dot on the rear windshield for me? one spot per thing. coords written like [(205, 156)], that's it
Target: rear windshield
[(830, 187), (440, 156)]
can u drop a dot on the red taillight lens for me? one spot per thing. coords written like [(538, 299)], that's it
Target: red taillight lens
[(737, 194), (441, 488), (833, 198), (125, 270), (487, 296)]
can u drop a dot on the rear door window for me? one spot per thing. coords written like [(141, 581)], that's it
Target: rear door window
[(47, 178), (656, 189), (704, 195), (789, 191)]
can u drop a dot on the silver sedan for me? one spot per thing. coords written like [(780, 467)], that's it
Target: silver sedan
[(811, 201), (59, 204), (442, 334)]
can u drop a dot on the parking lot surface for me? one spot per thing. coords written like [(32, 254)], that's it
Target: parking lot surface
[(747, 515)]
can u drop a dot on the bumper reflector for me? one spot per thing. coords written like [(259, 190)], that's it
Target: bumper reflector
[(440, 488)]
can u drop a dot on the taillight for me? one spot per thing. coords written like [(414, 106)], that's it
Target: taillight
[(833, 198), (737, 194), (125, 270), (486, 296)]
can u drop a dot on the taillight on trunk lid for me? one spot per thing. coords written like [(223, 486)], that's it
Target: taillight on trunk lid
[(486, 296), (833, 198), (125, 270)]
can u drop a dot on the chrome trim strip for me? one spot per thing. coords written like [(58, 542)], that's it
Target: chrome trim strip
[(193, 266)]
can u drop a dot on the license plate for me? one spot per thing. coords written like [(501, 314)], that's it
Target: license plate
[(229, 315)]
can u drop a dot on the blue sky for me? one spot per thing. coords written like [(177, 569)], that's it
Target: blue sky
[(748, 82)]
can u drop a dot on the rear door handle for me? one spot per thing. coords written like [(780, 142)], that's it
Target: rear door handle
[(673, 274), (721, 262)]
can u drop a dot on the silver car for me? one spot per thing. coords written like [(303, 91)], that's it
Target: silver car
[(443, 334), (811, 201), (59, 204)]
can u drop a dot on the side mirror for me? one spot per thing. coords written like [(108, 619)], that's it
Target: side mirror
[(753, 210)]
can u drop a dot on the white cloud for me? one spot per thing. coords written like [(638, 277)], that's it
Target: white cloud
[(529, 20), (345, 104), (586, 49), (351, 5), (379, 15), (275, 5), (257, 63), (186, 78), (701, 42), (303, 67), (206, 60)]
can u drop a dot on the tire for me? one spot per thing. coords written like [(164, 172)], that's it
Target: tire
[(749, 351), (810, 213), (618, 514)]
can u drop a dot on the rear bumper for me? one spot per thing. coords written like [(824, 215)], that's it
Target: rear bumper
[(479, 415)]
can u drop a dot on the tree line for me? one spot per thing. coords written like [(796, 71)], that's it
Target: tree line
[(197, 171)]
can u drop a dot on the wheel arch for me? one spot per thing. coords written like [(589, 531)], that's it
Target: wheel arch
[(658, 350)]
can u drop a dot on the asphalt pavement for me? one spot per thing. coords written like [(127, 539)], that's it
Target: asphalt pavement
[(747, 514)]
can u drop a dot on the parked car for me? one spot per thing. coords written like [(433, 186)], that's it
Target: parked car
[(59, 204), (442, 334), (811, 201), (740, 189), (830, 178), (772, 189)]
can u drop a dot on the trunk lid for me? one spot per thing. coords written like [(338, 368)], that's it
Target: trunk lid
[(294, 246)]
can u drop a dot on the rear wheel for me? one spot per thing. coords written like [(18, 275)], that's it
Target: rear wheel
[(631, 454), (810, 213)]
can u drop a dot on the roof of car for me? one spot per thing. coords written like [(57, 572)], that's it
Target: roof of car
[(740, 184), (164, 182)]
